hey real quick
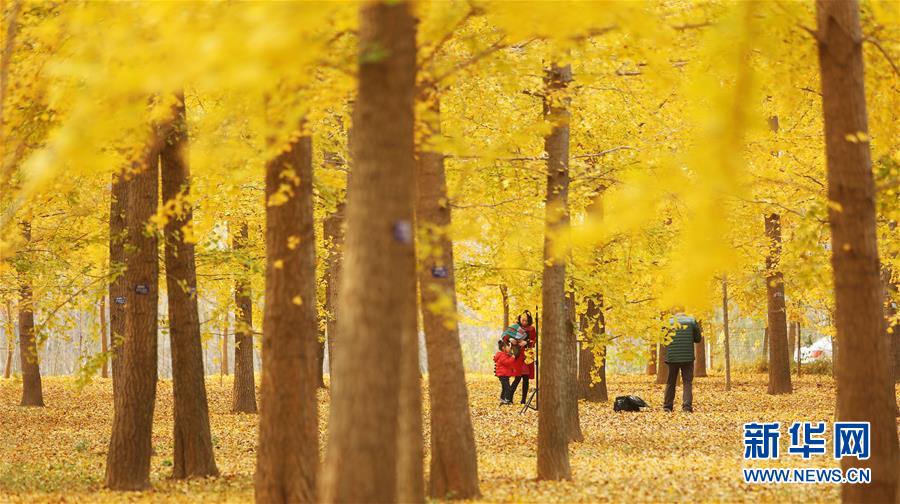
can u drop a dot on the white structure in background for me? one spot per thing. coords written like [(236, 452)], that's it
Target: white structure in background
[(821, 349)]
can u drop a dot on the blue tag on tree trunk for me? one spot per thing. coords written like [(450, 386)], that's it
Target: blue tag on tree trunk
[(142, 289), (439, 272), (120, 300)]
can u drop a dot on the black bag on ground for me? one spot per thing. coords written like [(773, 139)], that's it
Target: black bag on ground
[(629, 403)]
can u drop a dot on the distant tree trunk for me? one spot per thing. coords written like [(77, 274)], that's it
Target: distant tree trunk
[(334, 237), (765, 346), (243, 394), (32, 392), (104, 371), (553, 431), (700, 360), (10, 341), (651, 361), (799, 345), (223, 349), (378, 275), (662, 369), (128, 458), (571, 360), (779, 358), (864, 389), (504, 294), (595, 327), (193, 455), (117, 289), (454, 461), (725, 328), (288, 454)]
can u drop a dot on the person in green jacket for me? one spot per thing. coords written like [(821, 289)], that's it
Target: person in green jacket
[(685, 331)]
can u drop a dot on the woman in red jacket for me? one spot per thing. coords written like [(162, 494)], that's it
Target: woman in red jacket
[(504, 367), (525, 371)]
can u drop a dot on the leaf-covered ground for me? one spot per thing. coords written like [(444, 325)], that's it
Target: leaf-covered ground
[(58, 453)]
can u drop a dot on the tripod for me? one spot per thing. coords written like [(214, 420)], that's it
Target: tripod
[(532, 402)]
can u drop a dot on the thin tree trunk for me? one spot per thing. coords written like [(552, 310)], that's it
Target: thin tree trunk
[(117, 290), (595, 328), (571, 360), (104, 346), (662, 369), (334, 238), (128, 458), (504, 294), (10, 341), (765, 346), (243, 393), (651, 361), (223, 348), (799, 344), (193, 455), (32, 391), (779, 358), (454, 461), (725, 329), (288, 454), (378, 277), (864, 388), (553, 431)]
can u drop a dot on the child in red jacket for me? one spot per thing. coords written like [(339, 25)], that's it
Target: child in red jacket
[(504, 367)]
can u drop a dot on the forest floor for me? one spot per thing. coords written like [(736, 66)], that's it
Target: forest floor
[(58, 453)]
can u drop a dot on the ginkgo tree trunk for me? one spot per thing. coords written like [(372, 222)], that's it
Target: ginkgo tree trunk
[(864, 388), (193, 455), (553, 430), (454, 462), (779, 360), (243, 393), (594, 328), (117, 238), (287, 459), (378, 277), (128, 458), (32, 390)]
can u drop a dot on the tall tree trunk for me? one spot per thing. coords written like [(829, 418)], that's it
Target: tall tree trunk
[(10, 341), (243, 395), (779, 358), (288, 454), (410, 444), (595, 328), (104, 346), (662, 369), (651, 360), (700, 360), (454, 461), (864, 389), (799, 345), (378, 279), (725, 329), (32, 392), (193, 455), (765, 345), (117, 290), (571, 360), (334, 238), (128, 458), (504, 294), (553, 440)]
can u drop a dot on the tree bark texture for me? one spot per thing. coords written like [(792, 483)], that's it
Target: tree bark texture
[(662, 369), (378, 276), (32, 391), (117, 295), (864, 388), (243, 395), (779, 358), (287, 460), (571, 360), (454, 461), (104, 345), (553, 442), (193, 455), (595, 326)]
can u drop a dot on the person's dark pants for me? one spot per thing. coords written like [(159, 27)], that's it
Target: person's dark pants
[(515, 384), (687, 376), (505, 391)]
